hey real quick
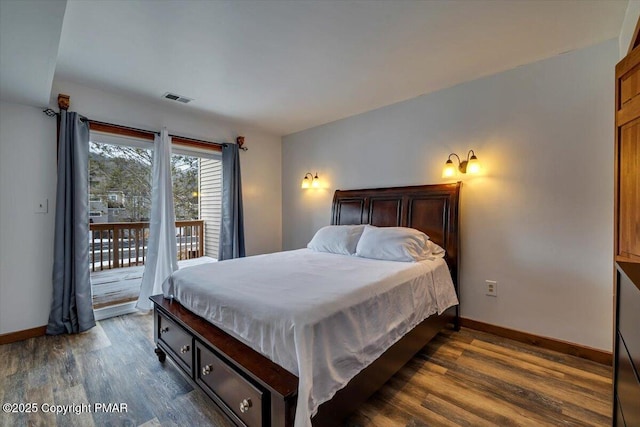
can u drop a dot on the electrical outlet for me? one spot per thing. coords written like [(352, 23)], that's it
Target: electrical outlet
[(491, 288)]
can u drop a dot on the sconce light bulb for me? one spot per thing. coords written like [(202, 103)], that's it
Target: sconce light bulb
[(305, 183)]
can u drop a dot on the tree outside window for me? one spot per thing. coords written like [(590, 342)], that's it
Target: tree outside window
[(120, 183)]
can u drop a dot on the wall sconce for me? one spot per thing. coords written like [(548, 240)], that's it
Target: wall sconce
[(470, 166), (310, 181)]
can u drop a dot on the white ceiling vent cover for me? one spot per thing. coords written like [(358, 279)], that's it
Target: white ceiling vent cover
[(174, 97)]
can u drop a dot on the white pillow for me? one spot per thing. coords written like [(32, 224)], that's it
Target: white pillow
[(337, 239), (394, 244)]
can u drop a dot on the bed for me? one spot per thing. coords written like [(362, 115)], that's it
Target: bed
[(255, 391)]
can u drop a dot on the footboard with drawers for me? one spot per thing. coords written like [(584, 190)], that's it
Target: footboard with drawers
[(255, 393)]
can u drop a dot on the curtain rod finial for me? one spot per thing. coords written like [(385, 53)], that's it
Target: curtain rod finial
[(63, 101), (240, 142)]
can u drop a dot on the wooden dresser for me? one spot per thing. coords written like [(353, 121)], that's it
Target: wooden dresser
[(626, 380)]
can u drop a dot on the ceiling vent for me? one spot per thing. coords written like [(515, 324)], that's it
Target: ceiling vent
[(174, 97)]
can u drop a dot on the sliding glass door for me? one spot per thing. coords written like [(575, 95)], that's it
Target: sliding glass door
[(120, 201)]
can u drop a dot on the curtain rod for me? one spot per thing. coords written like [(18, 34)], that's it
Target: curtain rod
[(63, 103)]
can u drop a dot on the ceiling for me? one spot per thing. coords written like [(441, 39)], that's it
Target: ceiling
[(29, 39), (285, 66)]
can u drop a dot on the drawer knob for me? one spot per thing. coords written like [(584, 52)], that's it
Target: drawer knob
[(165, 329), (206, 370), (184, 349), (245, 405)]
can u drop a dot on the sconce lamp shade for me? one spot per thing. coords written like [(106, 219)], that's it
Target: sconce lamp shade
[(306, 182), (449, 170), (473, 167)]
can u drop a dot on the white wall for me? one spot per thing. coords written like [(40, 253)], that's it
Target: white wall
[(27, 172), (540, 219), (628, 27)]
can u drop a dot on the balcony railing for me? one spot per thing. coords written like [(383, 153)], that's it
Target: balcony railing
[(124, 244)]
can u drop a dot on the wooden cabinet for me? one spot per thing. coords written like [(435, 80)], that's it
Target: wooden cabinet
[(629, 190), (627, 346), (626, 380), (627, 158)]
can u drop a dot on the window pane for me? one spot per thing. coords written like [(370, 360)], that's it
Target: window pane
[(119, 183), (184, 174), (197, 187)]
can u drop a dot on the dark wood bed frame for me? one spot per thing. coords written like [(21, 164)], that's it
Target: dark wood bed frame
[(432, 209)]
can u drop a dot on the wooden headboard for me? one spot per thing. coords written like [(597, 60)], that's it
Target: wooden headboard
[(432, 209)]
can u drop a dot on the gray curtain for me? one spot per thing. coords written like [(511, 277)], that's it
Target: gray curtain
[(71, 307), (232, 225)]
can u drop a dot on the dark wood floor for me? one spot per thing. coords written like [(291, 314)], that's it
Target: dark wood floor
[(464, 378), (470, 378)]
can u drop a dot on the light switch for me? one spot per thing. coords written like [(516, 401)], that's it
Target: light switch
[(41, 206)]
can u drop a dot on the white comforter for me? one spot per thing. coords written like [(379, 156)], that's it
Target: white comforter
[(321, 316)]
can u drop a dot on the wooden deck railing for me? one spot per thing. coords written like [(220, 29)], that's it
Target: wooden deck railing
[(124, 244)]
